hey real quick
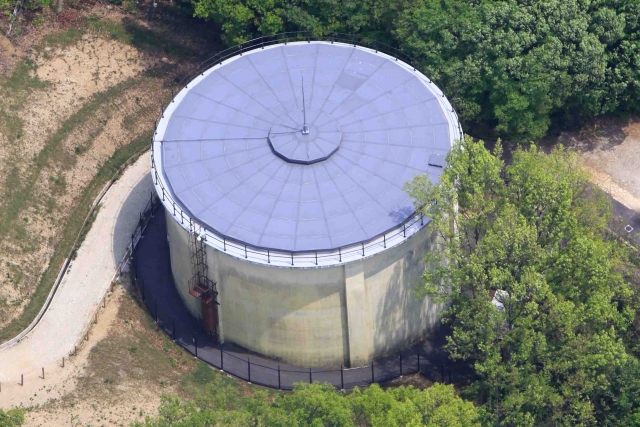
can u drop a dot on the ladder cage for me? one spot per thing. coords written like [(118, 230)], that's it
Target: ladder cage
[(200, 286)]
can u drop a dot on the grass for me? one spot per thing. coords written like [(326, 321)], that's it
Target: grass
[(85, 230), (14, 92), (61, 39), (69, 235), (18, 191), (21, 191), (137, 354)]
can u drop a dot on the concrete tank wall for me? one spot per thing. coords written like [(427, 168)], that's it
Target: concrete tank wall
[(344, 314)]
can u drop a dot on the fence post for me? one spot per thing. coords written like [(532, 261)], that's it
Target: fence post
[(310, 379), (341, 377), (249, 368), (372, 374), (400, 354), (279, 387)]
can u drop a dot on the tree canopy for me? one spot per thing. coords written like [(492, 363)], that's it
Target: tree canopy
[(510, 67), (320, 405), (541, 304), (12, 417)]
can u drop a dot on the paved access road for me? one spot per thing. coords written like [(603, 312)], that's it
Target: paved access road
[(81, 289)]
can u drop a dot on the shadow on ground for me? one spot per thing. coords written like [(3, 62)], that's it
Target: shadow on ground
[(151, 270)]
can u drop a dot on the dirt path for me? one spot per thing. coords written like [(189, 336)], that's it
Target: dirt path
[(76, 300)]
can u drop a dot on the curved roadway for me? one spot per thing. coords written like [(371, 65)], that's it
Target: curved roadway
[(81, 290)]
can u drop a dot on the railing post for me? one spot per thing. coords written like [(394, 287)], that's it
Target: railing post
[(291, 258), (316, 257), (384, 237), (249, 368), (245, 251), (310, 378), (195, 342), (404, 230), (268, 257), (341, 377), (372, 374), (221, 358), (362, 248), (339, 254), (279, 387)]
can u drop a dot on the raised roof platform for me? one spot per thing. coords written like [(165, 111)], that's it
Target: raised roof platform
[(248, 159)]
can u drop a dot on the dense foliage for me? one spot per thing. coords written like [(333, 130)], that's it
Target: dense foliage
[(320, 405), (509, 66), (12, 417), (554, 349)]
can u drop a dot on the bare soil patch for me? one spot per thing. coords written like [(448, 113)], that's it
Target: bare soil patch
[(78, 92), (119, 377), (611, 151)]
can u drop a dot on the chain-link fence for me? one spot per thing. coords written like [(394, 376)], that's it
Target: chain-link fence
[(150, 270)]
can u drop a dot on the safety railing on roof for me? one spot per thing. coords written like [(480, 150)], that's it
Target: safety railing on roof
[(275, 257), (169, 313)]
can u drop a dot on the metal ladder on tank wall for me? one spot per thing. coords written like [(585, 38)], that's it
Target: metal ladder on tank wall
[(200, 286)]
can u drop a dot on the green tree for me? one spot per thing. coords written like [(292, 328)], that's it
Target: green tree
[(509, 66), (532, 235), (315, 405), (320, 405), (406, 406), (12, 417)]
